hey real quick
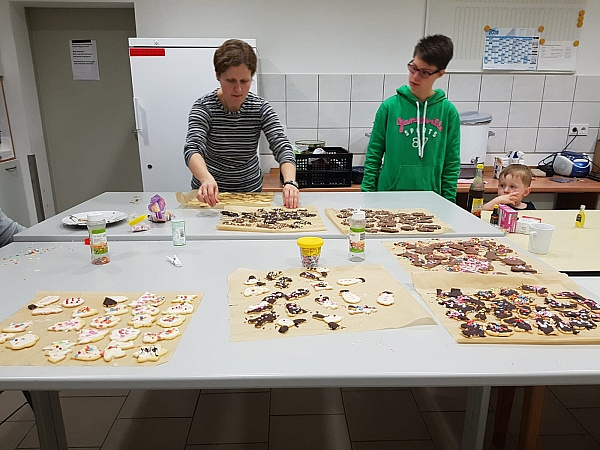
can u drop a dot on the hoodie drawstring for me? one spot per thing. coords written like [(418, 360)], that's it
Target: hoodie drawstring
[(421, 142)]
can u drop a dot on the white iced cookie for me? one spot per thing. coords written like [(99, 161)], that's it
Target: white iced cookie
[(124, 334), (87, 353), (332, 318), (259, 308), (321, 286), (21, 342), (349, 297), (285, 322), (386, 298), (150, 353), (116, 310), (326, 302), (141, 320), (58, 350), (182, 308), (171, 320), (145, 309), (116, 349), (147, 299), (88, 335), (75, 323), (45, 310), (17, 327), (166, 334), (255, 290), (6, 336), (84, 311), (72, 302), (103, 322), (184, 298), (48, 300), (350, 281), (118, 298), (251, 281), (361, 309)]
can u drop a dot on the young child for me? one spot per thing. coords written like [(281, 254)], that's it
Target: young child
[(514, 183), (416, 132)]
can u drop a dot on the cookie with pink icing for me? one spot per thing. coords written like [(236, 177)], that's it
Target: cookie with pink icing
[(58, 350), (84, 311), (171, 320), (116, 310), (181, 308), (124, 334), (150, 353), (88, 335), (21, 342), (147, 299), (75, 323), (145, 309), (73, 302), (166, 334), (116, 349), (103, 322), (87, 353), (141, 320), (45, 310), (17, 327), (184, 298), (6, 336)]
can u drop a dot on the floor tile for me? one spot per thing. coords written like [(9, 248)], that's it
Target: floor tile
[(393, 445), (11, 401), (12, 433), (383, 415), (577, 396), (588, 417), (78, 413), (159, 404), (579, 442), (440, 399), (253, 446), (231, 418), (148, 434), (323, 432), (306, 401), (94, 393)]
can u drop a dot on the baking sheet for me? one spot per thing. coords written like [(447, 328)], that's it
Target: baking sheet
[(314, 222), (189, 199)]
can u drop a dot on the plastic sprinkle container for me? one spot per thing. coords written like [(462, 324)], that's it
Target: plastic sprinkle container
[(310, 250)]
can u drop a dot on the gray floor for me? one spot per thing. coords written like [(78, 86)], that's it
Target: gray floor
[(292, 419)]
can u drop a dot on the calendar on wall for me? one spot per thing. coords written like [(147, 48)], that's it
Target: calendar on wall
[(511, 49)]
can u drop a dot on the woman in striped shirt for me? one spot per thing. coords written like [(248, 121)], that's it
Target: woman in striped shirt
[(224, 128)]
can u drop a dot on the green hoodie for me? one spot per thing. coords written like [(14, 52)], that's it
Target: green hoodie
[(424, 158)]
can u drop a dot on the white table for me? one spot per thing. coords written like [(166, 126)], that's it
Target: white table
[(201, 223), (205, 357)]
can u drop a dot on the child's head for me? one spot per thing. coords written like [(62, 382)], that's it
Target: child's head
[(435, 50), (515, 179)]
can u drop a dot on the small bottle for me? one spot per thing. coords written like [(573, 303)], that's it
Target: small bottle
[(178, 232), (495, 217), (96, 224), (475, 198), (580, 219), (356, 237)]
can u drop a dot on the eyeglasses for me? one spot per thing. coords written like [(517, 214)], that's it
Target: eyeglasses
[(422, 72)]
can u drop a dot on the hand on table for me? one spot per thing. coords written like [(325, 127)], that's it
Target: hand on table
[(208, 192), (290, 196)]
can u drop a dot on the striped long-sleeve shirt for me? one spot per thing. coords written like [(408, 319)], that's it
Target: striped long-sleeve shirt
[(228, 141)]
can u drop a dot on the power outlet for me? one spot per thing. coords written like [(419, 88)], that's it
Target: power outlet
[(578, 129)]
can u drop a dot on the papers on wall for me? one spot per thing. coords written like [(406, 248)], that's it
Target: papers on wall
[(511, 49), (558, 55), (84, 59)]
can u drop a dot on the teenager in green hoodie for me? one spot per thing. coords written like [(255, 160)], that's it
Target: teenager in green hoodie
[(416, 132)]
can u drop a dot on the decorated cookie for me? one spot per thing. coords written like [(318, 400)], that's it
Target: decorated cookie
[(298, 293), (545, 327), (17, 327), (171, 320), (75, 323), (285, 324), (166, 334), (332, 320), (349, 281), (116, 310), (145, 309), (124, 334), (84, 311), (321, 286), (251, 281), (72, 302), (23, 341), (519, 325), (263, 319), (45, 310), (349, 297), (147, 298), (273, 275), (386, 298), (88, 335), (259, 308), (255, 290), (58, 350), (326, 302), (6, 336), (48, 300), (150, 353), (283, 283), (87, 353), (293, 309), (103, 322), (472, 329), (116, 349), (498, 329), (311, 275), (141, 320), (361, 309), (116, 298), (184, 298), (181, 308)]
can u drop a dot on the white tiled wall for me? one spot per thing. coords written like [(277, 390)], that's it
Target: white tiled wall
[(531, 112)]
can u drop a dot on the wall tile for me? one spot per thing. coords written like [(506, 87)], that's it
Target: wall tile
[(302, 87), (588, 88), (367, 87), (334, 114), (498, 110), (585, 144), (586, 112), (334, 88), (393, 81), (528, 88), (520, 139), (302, 114), (362, 114), (466, 106), (358, 140), (497, 142), (496, 88), (334, 137), (464, 87), (550, 140), (524, 114), (559, 88), (272, 86), (299, 134), (555, 114), (280, 109), (441, 83)]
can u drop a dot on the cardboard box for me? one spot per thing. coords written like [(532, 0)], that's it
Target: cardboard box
[(508, 218), (523, 224)]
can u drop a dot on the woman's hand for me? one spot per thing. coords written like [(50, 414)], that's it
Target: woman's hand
[(290, 195), (208, 192)]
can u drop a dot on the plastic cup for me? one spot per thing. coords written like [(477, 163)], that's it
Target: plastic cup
[(540, 235), (310, 251)]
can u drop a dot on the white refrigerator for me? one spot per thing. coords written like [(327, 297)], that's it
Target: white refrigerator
[(168, 76)]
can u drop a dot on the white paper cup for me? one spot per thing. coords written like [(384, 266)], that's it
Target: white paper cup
[(540, 235)]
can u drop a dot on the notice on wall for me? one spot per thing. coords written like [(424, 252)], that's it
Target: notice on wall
[(558, 55), (84, 59), (511, 49)]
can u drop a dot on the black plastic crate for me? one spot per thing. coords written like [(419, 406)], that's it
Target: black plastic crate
[(333, 168)]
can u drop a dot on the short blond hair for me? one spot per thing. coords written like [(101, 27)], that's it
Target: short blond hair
[(520, 171)]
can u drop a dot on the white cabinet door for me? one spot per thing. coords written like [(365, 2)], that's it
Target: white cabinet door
[(12, 192)]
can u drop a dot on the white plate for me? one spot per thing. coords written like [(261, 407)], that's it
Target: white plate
[(81, 218)]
